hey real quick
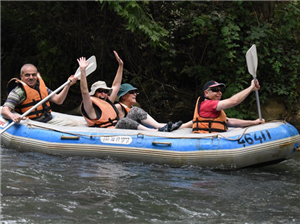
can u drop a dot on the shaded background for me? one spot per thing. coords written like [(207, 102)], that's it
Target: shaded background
[(170, 49)]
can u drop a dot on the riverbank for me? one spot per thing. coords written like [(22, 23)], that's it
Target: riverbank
[(276, 110)]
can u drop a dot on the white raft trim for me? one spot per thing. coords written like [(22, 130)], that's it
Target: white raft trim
[(231, 158), (222, 158)]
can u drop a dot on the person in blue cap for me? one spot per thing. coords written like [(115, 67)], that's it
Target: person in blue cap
[(133, 117)]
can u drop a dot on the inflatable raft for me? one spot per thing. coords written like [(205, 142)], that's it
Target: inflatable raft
[(259, 145)]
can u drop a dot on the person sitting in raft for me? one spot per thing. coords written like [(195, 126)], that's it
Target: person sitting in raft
[(97, 107), (132, 117), (26, 93), (209, 115)]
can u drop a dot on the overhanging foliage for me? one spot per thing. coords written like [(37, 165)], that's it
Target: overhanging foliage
[(170, 49)]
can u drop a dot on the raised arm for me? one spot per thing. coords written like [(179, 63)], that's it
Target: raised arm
[(118, 78), (237, 98), (87, 103), (60, 98)]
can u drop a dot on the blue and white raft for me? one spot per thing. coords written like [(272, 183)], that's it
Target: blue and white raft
[(259, 145)]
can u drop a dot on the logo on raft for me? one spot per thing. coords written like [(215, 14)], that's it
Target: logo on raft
[(124, 140), (3, 122)]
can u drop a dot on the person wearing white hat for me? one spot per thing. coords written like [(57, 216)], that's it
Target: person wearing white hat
[(132, 117), (99, 111), (97, 105)]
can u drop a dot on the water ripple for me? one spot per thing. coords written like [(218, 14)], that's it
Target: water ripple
[(38, 188)]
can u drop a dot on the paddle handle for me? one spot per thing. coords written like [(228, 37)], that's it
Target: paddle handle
[(257, 101), (7, 127), (92, 67), (258, 105), (38, 104)]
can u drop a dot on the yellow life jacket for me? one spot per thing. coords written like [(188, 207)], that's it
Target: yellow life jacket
[(33, 96), (107, 113), (207, 124)]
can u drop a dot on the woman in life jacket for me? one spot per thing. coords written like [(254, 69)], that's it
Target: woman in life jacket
[(97, 107), (133, 117)]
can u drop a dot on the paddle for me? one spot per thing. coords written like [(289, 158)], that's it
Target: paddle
[(91, 67), (252, 61)]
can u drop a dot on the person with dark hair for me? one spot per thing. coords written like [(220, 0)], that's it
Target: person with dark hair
[(209, 115)]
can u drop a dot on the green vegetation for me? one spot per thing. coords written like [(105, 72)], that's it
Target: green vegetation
[(170, 49)]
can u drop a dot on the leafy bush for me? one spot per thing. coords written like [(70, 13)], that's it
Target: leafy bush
[(170, 48)]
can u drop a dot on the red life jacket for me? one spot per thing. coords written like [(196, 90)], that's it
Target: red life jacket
[(107, 113), (208, 124), (33, 96)]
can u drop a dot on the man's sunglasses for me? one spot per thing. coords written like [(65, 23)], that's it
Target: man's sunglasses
[(218, 89), (133, 91), (103, 91)]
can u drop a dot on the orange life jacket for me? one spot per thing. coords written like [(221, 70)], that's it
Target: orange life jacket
[(125, 109), (207, 124), (33, 96), (107, 113)]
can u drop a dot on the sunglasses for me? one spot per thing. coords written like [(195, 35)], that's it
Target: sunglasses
[(103, 91), (27, 75), (133, 91), (219, 89)]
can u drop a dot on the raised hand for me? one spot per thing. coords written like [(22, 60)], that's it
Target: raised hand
[(118, 58), (83, 63)]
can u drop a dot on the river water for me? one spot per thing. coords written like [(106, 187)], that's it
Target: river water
[(38, 188)]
